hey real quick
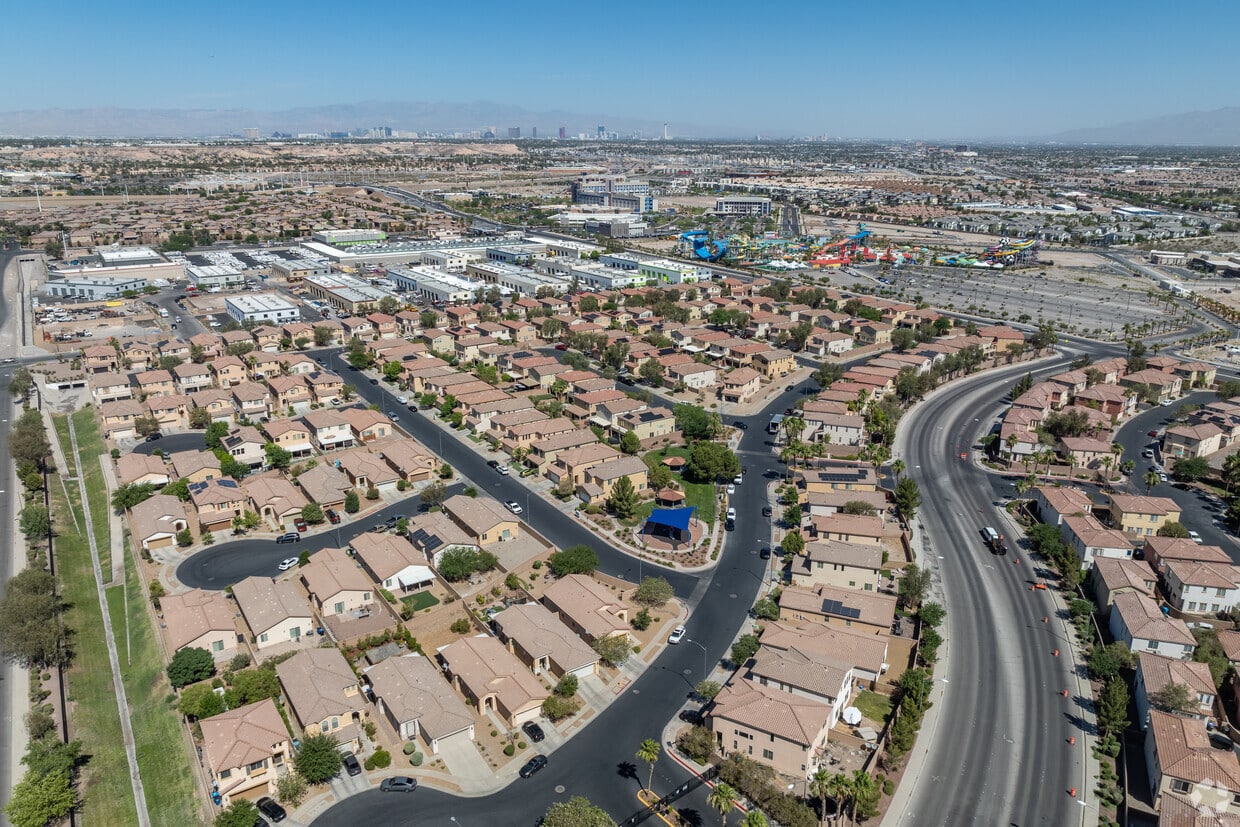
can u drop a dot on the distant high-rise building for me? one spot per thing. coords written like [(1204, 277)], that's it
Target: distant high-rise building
[(251, 134), (563, 132), (962, 147), (665, 130), (602, 130), (514, 132), (534, 132)]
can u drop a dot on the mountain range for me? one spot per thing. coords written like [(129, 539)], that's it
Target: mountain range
[(1219, 127)]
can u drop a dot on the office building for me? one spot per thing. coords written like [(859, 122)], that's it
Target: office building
[(742, 205), (341, 238), (265, 308)]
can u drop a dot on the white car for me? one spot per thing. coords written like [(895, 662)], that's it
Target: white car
[(731, 490), (1166, 403), (737, 480), (502, 470), (288, 563), (731, 513), (514, 506), (1195, 537), (677, 635), (402, 400)]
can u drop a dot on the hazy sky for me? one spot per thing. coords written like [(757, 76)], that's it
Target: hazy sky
[(892, 69)]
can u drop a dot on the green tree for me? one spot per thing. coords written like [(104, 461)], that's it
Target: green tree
[(653, 592), (859, 507), (1171, 528), (567, 686), (649, 752), (240, 813), (792, 516), (318, 758), (277, 457), (21, 383), (49, 754), (623, 499), (793, 542), (323, 335), (1113, 707), (1191, 469), (866, 794), (722, 798), (200, 701), (199, 418), (1175, 698), (576, 812), (1105, 662), (708, 689), (130, 494), (38, 800), (392, 370), (578, 559), (709, 461), (932, 614), (630, 443), (351, 502), (190, 665), (291, 789), (215, 434), (34, 521), (908, 498), (312, 513), (746, 647), (651, 371), (914, 586), (145, 425), (433, 494), (614, 650), (696, 423), (31, 631)]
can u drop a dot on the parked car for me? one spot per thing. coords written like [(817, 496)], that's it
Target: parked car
[(766, 511), (731, 514), (738, 479), (740, 425), (690, 716), (402, 400), (532, 766), (731, 489), (374, 381), (398, 784), (268, 807), (561, 346), (502, 470), (1152, 433), (154, 436), (513, 506), (288, 537), (764, 553), (288, 563), (351, 765), (333, 516), (789, 387), (534, 731), (1195, 537), (1148, 453), (492, 463), (300, 524), (677, 635)]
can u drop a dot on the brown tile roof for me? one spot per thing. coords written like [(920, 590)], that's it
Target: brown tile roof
[(794, 718), (243, 736), (541, 634), (190, 615), (315, 682), (413, 688), (486, 667), (589, 604), (1183, 751)]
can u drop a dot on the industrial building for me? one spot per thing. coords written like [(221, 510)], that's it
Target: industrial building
[(294, 270), (343, 238), (435, 286), (214, 276), (666, 271), (516, 279), (345, 293), (266, 308), (94, 288), (743, 205), (598, 277)]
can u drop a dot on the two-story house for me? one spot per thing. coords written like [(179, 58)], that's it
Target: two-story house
[(324, 695), (246, 750)]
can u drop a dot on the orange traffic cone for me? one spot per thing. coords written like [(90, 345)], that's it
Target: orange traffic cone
[(1065, 693), (1072, 740), (1072, 792), (1056, 653), (1044, 618)]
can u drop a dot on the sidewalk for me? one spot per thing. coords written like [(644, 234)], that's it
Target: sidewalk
[(117, 527)]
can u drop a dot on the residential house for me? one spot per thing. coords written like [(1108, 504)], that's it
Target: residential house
[(141, 469), (411, 694), (325, 387), (544, 643), (365, 470), (110, 388), (1162, 387), (246, 446), (324, 484), (217, 503), (150, 383), (195, 466), (601, 478), (276, 500), (1053, 503), (171, 411), (367, 425), (588, 607), (741, 385), (1141, 516), (292, 435), (274, 610), (850, 608), (217, 402), (1184, 769), (1202, 588), (841, 476), (329, 429), (392, 562), (229, 371), (1091, 539), (808, 674), (289, 392), (865, 652), (1110, 577), (847, 565), (100, 359), (117, 418), (858, 529), (410, 460), (782, 730), (774, 364), (1192, 441), (482, 519), (191, 377), (199, 619), (336, 584), (324, 695), (1155, 673), (246, 750), (253, 401), (493, 678), (1136, 622), (1162, 551)]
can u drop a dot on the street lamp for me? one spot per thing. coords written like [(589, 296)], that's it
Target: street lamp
[(705, 671)]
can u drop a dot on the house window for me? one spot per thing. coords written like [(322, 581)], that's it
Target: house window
[(295, 633), (338, 608), (256, 766), (262, 638), (1220, 593), (1180, 786), (224, 774), (768, 755), (1151, 644), (217, 646)]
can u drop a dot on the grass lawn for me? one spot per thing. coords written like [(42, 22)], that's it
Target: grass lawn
[(874, 706), (420, 600), (697, 494), (95, 720), (162, 758)]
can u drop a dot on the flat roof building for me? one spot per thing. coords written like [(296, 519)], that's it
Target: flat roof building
[(214, 275), (345, 293), (264, 307), (96, 288), (346, 237), (743, 205)]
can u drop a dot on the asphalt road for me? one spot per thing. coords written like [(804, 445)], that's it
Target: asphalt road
[(999, 751), (598, 761)]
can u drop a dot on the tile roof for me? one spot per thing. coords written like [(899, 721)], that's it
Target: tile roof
[(413, 688), (794, 718), (541, 634), (243, 736)]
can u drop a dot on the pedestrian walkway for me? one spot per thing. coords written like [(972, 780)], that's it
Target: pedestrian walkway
[(116, 523)]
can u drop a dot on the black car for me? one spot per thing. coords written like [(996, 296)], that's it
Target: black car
[(332, 516), (268, 807), (534, 731), (154, 436), (766, 511), (398, 784), (764, 553), (351, 766), (492, 463), (374, 381), (741, 425), (790, 387), (532, 766), (690, 716)]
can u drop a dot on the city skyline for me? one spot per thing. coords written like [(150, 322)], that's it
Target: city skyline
[(965, 70)]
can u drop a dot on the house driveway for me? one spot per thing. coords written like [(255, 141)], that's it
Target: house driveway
[(465, 764)]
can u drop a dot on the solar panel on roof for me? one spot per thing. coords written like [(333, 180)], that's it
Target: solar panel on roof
[(832, 606), (420, 536), (433, 542), (853, 613)]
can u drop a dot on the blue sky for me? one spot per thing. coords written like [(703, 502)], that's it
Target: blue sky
[(896, 69)]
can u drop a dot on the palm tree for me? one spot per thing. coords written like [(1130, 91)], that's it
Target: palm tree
[(897, 468), (840, 787), (863, 787), (722, 798), (820, 785), (648, 751), (1151, 479)]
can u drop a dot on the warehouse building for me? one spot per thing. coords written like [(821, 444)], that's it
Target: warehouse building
[(265, 308)]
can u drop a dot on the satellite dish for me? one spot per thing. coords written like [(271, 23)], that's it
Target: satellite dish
[(852, 716)]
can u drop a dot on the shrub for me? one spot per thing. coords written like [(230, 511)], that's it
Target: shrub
[(509, 750), (557, 708), (461, 626), (579, 559), (190, 666), (567, 687), (382, 759), (698, 743), (416, 759), (641, 621)]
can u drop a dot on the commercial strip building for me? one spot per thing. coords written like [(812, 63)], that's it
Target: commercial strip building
[(268, 308), (345, 293), (294, 270), (433, 284), (96, 288), (516, 279)]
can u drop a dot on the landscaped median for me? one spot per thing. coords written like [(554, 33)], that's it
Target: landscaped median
[(162, 760)]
